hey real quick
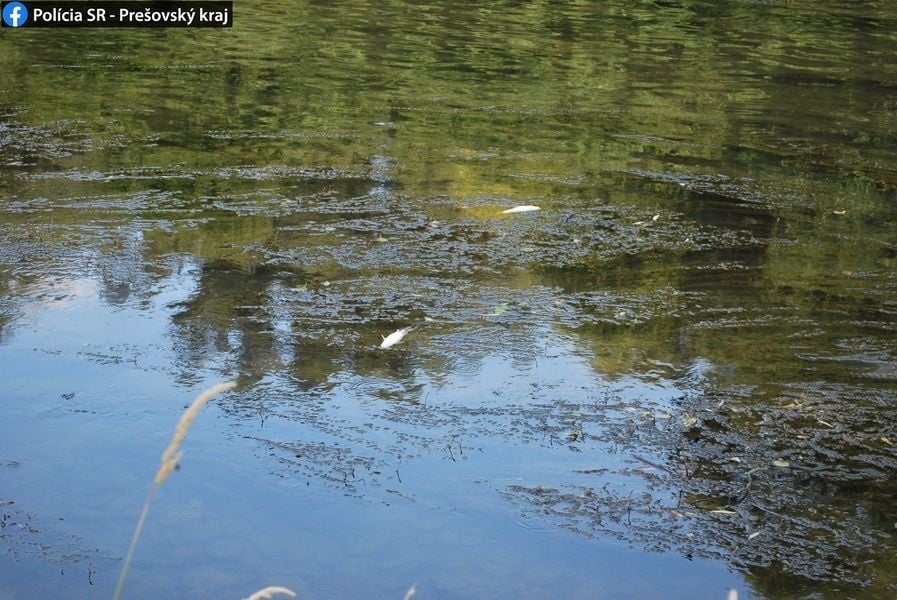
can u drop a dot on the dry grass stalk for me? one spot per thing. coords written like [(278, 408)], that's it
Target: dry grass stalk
[(172, 455), (170, 458), (270, 591)]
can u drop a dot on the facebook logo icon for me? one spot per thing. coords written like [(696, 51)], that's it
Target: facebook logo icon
[(15, 14)]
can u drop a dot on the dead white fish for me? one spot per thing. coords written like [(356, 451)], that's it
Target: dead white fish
[(645, 223), (395, 337), (520, 209)]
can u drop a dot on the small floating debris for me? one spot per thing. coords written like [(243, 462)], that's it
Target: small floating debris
[(395, 337), (499, 310), (520, 209), (689, 420)]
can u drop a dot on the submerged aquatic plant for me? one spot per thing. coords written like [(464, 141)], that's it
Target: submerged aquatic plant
[(169, 462)]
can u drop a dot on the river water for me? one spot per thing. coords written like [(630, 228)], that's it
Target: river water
[(674, 379)]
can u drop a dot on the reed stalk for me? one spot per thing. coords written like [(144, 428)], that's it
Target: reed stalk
[(271, 591), (169, 463)]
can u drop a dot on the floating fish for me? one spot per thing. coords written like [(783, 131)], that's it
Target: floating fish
[(520, 209), (644, 223), (395, 337)]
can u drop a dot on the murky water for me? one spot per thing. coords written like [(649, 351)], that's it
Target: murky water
[(677, 377)]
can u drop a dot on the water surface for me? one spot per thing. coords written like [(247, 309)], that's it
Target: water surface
[(676, 378)]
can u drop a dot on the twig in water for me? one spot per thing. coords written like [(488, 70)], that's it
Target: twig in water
[(652, 464), (766, 510)]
